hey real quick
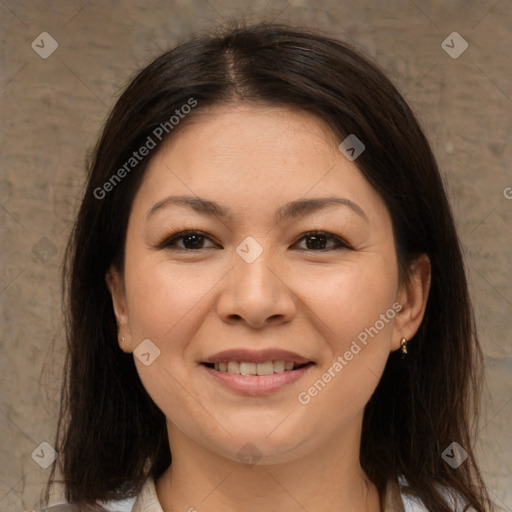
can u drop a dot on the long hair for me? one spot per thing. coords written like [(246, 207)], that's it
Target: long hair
[(110, 434)]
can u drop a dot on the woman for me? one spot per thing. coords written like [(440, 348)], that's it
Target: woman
[(266, 237)]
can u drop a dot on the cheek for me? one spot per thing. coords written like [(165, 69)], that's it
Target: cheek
[(167, 304), (357, 317), (163, 306), (162, 298), (352, 299), (357, 309)]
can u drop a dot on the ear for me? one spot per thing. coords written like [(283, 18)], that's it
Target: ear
[(412, 296), (115, 284)]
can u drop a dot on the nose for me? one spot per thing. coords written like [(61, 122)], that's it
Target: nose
[(256, 293)]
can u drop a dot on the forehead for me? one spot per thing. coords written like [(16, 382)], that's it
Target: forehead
[(246, 131), (254, 156)]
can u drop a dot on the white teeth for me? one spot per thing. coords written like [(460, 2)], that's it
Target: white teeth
[(247, 368), (234, 367), (265, 368), (279, 366)]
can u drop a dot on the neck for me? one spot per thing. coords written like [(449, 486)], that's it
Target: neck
[(329, 479)]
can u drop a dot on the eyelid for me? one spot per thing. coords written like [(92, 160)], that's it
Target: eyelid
[(166, 243), (341, 242)]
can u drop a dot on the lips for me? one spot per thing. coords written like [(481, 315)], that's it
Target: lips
[(257, 356), (256, 372)]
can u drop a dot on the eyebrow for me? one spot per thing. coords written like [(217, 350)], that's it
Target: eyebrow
[(300, 207)]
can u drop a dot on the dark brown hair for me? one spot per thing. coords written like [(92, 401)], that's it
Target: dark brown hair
[(110, 434)]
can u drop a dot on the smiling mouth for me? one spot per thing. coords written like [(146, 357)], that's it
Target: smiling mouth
[(249, 368)]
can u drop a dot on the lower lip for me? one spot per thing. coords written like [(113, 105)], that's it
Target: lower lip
[(257, 384)]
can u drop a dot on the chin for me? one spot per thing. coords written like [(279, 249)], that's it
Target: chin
[(257, 447)]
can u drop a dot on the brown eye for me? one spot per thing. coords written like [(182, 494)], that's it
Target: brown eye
[(190, 241), (322, 241)]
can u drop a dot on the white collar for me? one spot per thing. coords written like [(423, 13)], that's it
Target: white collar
[(147, 499)]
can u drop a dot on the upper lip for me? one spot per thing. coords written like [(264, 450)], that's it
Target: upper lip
[(257, 356)]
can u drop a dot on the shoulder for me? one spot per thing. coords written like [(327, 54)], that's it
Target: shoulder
[(110, 506), (413, 504), (120, 506), (145, 501)]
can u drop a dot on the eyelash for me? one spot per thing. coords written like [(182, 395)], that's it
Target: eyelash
[(169, 242)]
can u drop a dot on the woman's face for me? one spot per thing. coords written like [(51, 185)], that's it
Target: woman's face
[(251, 286)]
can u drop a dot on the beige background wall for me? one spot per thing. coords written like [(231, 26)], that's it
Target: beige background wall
[(52, 110)]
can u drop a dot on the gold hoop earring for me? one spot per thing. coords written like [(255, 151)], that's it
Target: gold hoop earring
[(403, 347)]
